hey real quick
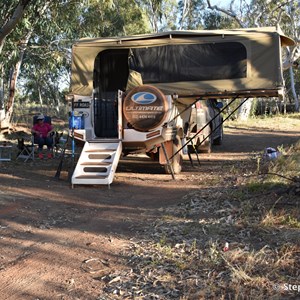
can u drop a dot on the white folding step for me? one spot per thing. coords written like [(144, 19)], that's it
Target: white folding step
[(98, 162)]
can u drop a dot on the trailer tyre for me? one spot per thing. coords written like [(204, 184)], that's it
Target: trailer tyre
[(145, 108)]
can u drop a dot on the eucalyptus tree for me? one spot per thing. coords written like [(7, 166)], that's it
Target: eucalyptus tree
[(153, 10), (15, 46), (161, 14), (169, 20), (111, 18), (216, 20), (258, 13), (11, 12), (70, 21), (40, 43), (191, 14), (48, 55), (23, 37)]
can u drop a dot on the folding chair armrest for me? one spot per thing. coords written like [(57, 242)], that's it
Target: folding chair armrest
[(33, 136)]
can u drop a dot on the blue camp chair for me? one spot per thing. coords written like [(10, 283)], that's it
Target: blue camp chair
[(27, 151)]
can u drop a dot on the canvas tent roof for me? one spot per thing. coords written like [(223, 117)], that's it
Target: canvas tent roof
[(262, 63)]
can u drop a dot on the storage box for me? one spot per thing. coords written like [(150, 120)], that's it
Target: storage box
[(78, 122)]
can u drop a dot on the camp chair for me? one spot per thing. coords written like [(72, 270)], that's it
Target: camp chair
[(47, 119), (27, 151)]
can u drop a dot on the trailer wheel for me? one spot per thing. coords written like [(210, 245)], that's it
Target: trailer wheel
[(176, 161)]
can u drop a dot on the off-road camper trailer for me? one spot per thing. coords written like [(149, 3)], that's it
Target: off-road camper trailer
[(137, 93)]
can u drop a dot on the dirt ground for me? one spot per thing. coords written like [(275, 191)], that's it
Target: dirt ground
[(60, 243)]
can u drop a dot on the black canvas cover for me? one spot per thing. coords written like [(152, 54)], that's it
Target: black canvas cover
[(173, 63)]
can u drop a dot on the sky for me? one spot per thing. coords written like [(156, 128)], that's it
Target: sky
[(223, 3)]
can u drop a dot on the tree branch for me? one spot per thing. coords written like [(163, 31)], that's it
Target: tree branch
[(229, 13), (292, 56), (185, 11)]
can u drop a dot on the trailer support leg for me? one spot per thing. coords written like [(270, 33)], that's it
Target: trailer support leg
[(190, 158), (196, 152), (168, 161)]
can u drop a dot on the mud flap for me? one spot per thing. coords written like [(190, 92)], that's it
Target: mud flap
[(169, 150)]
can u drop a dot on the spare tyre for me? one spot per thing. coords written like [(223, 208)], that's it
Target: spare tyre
[(145, 108)]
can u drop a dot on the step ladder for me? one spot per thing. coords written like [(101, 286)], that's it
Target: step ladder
[(98, 162)]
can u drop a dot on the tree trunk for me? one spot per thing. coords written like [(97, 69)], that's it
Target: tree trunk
[(6, 121), (5, 124), (6, 29), (40, 97), (296, 99), (1, 89), (244, 110)]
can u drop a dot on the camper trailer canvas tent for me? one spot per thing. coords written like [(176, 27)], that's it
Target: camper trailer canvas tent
[(175, 68)]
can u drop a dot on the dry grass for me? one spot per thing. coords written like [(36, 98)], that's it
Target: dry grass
[(183, 254), (288, 164), (282, 218), (290, 122)]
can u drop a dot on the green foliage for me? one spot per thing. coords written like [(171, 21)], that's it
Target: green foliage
[(169, 17), (53, 27), (260, 187), (191, 14), (153, 10), (215, 20)]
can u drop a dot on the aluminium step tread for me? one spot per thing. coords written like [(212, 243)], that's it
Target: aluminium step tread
[(103, 141), (91, 177), (94, 163), (99, 150)]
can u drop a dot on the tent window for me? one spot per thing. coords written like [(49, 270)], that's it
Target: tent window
[(197, 62)]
